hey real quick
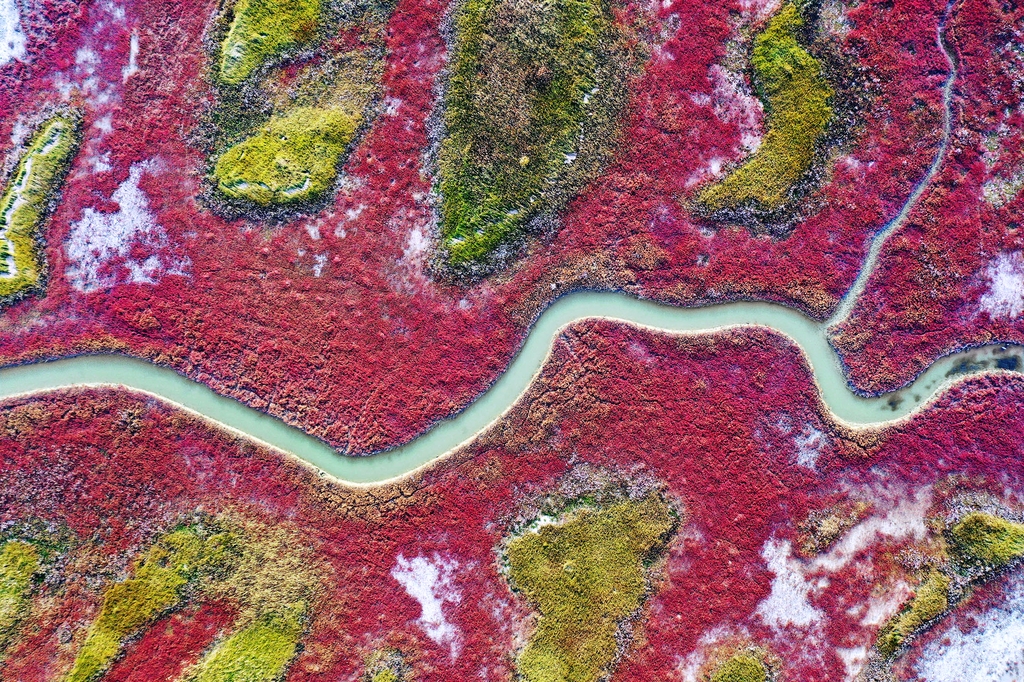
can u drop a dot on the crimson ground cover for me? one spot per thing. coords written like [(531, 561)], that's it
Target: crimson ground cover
[(336, 322), (115, 470), (951, 277)]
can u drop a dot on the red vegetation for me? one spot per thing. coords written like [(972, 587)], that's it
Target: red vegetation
[(171, 644), (334, 322), (726, 422), (933, 292)]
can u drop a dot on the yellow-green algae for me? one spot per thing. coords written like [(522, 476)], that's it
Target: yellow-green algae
[(19, 561), (585, 575), (259, 652), (25, 202), (158, 583), (930, 602), (796, 98), (987, 538), (530, 84), (293, 158), (262, 30)]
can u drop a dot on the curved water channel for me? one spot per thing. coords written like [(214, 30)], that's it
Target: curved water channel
[(450, 434)]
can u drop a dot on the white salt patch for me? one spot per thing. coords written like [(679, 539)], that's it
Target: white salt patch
[(319, 261), (133, 56), (788, 602), (417, 245), (1005, 295), (353, 213), (809, 444), (756, 10), (797, 580), (105, 124), (734, 102), (854, 659), (20, 131), (392, 105), (904, 520), (690, 666), (991, 652), (430, 582), (12, 39), (99, 237), (880, 609), (87, 58)]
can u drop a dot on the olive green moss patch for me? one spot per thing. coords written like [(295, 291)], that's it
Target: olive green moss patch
[(930, 602), (255, 568), (285, 119), (743, 667), (386, 665), (158, 584), (531, 108), (585, 575), (25, 202), (263, 30), (293, 158), (257, 653), (19, 561), (985, 538), (796, 97)]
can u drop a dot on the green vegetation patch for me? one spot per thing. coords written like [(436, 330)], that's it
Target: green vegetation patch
[(796, 97), (26, 201), (158, 583), (532, 104), (930, 602), (259, 652), (585, 575), (293, 158), (989, 539), (743, 667), (19, 561), (263, 30)]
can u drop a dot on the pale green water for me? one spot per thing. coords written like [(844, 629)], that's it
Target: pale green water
[(450, 434)]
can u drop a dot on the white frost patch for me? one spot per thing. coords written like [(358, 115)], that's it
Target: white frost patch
[(133, 57), (1005, 295), (796, 580), (99, 238), (809, 444), (12, 39), (430, 582), (992, 651)]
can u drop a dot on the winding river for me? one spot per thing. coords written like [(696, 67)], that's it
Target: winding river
[(451, 434)]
